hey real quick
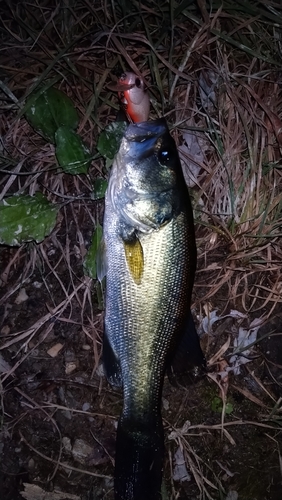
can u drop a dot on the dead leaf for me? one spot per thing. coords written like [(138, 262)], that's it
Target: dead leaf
[(34, 492), (22, 296), (180, 472), (4, 366)]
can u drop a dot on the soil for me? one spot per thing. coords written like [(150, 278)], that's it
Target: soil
[(59, 415)]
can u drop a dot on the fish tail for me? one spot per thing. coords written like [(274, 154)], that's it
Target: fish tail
[(139, 460)]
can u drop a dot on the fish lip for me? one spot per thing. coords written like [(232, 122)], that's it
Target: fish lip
[(141, 131)]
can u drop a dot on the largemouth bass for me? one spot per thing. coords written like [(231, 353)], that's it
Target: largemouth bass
[(150, 266)]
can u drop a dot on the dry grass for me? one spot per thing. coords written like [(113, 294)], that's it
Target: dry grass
[(234, 51)]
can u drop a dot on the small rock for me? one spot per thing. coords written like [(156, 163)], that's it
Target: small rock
[(81, 451), (37, 284), (86, 347), (67, 445), (5, 330), (71, 367), (100, 371), (22, 297), (54, 350), (85, 406), (31, 464), (165, 404)]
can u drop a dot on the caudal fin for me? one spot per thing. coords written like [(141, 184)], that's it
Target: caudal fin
[(139, 461)]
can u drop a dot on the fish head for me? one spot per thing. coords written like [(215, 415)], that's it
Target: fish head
[(147, 177), (148, 157)]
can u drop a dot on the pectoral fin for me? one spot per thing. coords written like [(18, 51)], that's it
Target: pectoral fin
[(135, 259), (101, 262)]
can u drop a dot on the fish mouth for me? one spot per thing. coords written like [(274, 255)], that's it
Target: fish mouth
[(140, 132), (144, 138)]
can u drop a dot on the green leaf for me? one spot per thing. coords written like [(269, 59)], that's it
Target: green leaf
[(90, 261), (72, 154), (217, 406), (49, 110), (99, 188), (25, 218), (110, 139), (108, 163), (228, 408)]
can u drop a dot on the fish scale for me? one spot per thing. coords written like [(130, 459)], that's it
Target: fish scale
[(131, 313)]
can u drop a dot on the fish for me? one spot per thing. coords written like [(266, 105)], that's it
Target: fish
[(150, 263), (133, 96)]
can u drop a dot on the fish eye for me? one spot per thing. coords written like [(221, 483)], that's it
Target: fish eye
[(164, 156), (137, 82)]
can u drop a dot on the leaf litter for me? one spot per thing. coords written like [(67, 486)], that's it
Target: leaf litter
[(214, 76)]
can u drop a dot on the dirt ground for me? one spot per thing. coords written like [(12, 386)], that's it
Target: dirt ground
[(59, 415)]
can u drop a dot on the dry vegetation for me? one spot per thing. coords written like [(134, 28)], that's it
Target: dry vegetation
[(230, 144)]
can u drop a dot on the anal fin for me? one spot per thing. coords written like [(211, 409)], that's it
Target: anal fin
[(188, 362)]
